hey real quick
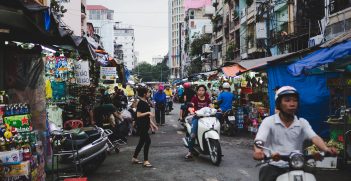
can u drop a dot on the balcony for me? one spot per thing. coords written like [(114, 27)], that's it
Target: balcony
[(251, 11), (209, 11), (243, 15)]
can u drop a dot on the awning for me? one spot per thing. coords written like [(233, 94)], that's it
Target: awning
[(231, 71), (256, 63), (321, 57)]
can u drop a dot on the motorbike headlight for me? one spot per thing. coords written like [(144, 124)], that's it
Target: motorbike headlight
[(297, 161)]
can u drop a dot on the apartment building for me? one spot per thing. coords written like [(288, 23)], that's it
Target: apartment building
[(102, 20), (124, 44), (176, 11)]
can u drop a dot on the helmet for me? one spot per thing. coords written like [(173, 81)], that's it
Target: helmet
[(226, 85), (285, 90), (187, 85), (161, 87)]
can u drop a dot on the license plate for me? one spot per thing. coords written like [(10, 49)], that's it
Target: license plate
[(231, 118), (298, 178)]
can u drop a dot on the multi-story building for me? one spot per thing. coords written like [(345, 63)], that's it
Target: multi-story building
[(157, 59), (124, 44), (227, 36), (75, 17), (176, 11), (196, 25), (102, 19)]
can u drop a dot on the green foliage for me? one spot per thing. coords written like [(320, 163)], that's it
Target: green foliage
[(230, 52), (57, 8), (196, 45), (195, 66), (148, 72)]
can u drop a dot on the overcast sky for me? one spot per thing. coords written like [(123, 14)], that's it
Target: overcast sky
[(149, 19)]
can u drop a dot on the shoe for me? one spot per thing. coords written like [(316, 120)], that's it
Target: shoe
[(188, 156), (136, 161), (147, 164)]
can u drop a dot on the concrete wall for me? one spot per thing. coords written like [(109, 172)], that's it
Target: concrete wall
[(72, 18)]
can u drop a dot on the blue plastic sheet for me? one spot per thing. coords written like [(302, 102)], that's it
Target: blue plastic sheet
[(314, 95), (320, 57)]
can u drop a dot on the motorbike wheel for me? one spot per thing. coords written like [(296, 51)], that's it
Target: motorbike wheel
[(215, 152), (92, 165)]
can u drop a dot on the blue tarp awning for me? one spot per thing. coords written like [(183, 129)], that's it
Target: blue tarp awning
[(320, 57)]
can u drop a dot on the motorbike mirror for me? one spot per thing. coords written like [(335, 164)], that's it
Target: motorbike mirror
[(259, 143)]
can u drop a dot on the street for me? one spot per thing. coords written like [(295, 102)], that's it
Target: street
[(167, 156)]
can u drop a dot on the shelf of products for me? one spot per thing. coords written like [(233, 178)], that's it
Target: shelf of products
[(21, 151)]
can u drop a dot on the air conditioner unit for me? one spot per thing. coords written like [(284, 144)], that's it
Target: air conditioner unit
[(207, 48)]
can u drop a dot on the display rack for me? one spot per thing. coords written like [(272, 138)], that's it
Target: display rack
[(340, 113), (56, 167)]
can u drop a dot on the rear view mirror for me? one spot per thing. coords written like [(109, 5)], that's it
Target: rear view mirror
[(259, 143)]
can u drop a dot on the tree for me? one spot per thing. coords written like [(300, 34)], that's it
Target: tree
[(194, 67), (148, 72), (196, 45), (230, 52)]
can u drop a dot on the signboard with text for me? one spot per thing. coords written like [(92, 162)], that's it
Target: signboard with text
[(81, 70), (108, 73)]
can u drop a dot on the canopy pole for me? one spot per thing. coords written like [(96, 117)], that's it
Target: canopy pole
[(2, 65)]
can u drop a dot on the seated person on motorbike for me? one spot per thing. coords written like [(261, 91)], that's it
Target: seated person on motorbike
[(169, 93), (284, 133), (87, 114), (225, 100), (188, 95), (199, 101)]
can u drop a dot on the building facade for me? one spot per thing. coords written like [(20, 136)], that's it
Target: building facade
[(176, 11), (102, 19), (124, 45), (157, 59), (76, 17)]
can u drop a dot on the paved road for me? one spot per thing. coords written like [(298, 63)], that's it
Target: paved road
[(167, 155)]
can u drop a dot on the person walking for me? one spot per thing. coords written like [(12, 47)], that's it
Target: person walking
[(143, 123), (160, 105)]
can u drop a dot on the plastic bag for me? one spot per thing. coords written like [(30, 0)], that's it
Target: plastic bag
[(126, 114)]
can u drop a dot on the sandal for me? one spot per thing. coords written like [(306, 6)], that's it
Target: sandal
[(188, 157), (136, 161), (147, 164)]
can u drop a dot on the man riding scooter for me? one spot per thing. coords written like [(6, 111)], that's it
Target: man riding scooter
[(284, 133), (225, 100)]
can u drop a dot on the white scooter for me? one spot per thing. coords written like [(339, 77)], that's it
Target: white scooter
[(207, 140), (297, 163)]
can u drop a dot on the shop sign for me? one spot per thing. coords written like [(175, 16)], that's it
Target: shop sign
[(81, 69), (108, 73)]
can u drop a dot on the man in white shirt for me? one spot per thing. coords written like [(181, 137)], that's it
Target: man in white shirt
[(284, 133)]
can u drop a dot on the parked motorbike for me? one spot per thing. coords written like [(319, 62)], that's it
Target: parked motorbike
[(297, 164), (169, 105), (83, 147), (207, 139), (228, 123)]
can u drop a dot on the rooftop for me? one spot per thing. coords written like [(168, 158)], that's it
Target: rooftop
[(96, 7)]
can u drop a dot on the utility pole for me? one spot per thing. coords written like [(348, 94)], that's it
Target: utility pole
[(161, 71), (180, 51)]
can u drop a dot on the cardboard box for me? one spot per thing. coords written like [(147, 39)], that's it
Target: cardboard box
[(11, 157), (21, 122), (22, 169), (327, 162)]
